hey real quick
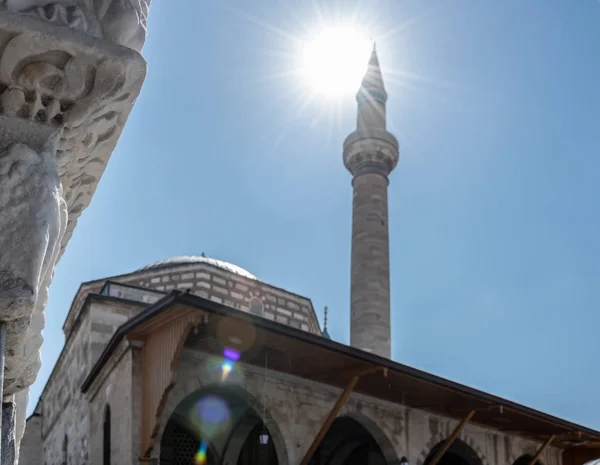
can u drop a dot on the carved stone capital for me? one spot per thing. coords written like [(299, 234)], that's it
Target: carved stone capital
[(64, 99)]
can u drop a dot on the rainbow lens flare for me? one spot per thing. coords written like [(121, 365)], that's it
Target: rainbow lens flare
[(200, 457), (231, 356), (226, 368)]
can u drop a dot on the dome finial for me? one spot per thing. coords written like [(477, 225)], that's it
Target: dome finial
[(325, 333)]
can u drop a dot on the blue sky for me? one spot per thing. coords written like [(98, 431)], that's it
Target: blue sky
[(493, 207)]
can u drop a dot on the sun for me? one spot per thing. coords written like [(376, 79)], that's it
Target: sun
[(334, 61)]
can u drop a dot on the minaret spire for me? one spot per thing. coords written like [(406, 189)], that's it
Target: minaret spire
[(372, 97), (374, 60), (370, 154)]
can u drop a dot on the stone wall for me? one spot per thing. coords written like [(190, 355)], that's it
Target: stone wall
[(105, 318), (233, 290), (31, 444), (209, 282), (296, 409), (65, 413), (114, 389)]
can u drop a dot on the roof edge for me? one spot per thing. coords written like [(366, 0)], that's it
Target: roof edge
[(204, 304), (120, 333)]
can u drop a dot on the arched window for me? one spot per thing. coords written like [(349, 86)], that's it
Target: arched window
[(256, 306), (65, 451), (106, 438)]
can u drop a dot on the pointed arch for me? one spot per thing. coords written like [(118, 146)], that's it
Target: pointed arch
[(383, 441), (241, 435), (459, 453), (354, 439)]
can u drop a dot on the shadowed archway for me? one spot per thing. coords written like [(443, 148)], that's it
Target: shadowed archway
[(216, 426), (348, 442), (459, 453), (526, 460)]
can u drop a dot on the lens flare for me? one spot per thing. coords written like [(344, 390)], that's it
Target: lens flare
[(226, 368), (231, 354), (210, 416), (200, 457), (213, 409)]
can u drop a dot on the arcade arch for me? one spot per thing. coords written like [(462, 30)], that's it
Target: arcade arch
[(459, 453), (220, 425), (350, 442)]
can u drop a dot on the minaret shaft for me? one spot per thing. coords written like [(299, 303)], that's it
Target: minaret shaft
[(370, 154), (370, 280)]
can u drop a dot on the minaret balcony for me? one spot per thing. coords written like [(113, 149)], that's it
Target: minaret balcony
[(372, 148)]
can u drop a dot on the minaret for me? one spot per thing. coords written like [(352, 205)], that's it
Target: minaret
[(370, 154)]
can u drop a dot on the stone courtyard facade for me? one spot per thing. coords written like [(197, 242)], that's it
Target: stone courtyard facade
[(68, 426), (100, 307)]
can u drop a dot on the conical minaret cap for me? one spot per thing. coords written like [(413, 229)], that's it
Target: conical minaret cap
[(373, 79)]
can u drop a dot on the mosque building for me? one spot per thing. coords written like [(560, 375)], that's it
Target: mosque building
[(193, 360)]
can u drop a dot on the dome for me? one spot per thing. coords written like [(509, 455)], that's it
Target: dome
[(193, 259)]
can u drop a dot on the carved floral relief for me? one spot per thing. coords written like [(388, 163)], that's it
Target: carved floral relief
[(120, 21)]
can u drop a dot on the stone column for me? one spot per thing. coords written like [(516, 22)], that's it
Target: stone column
[(70, 71)]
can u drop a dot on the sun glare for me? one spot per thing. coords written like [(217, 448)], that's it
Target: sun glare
[(335, 60)]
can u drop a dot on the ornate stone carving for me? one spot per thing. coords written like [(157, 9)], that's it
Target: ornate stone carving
[(64, 99), (120, 21), (33, 220)]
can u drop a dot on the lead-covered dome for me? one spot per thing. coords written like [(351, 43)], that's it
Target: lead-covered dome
[(193, 259)]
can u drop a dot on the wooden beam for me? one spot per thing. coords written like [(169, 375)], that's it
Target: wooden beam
[(541, 450), (333, 413), (451, 438)]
